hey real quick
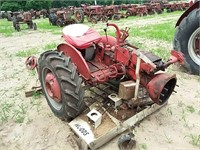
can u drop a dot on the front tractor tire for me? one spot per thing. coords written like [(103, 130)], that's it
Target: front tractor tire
[(187, 40), (61, 84)]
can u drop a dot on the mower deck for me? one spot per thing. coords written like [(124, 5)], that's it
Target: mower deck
[(112, 124)]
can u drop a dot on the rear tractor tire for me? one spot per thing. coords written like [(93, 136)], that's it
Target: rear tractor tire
[(187, 40), (116, 17), (79, 16), (17, 27), (94, 20), (34, 26), (61, 85), (104, 19), (59, 23)]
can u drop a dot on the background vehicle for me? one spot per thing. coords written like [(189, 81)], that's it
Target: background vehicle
[(23, 18)]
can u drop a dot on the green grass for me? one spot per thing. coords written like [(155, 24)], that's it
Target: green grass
[(190, 108), (50, 46), (5, 111), (164, 14), (142, 146), (26, 53), (20, 113), (44, 26), (164, 54), (163, 31), (194, 139), (6, 28)]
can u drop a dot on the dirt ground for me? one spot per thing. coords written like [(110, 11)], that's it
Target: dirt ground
[(175, 127)]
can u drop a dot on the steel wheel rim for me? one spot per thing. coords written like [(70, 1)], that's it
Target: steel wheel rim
[(192, 49), (54, 103)]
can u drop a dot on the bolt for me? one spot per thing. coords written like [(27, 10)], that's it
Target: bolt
[(162, 94), (166, 89)]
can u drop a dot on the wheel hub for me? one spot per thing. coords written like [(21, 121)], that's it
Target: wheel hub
[(52, 87), (194, 46)]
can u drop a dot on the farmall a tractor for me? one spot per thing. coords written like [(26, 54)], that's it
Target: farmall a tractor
[(83, 78), (187, 37), (88, 59)]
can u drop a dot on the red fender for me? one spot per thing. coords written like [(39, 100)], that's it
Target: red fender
[(76, 58)]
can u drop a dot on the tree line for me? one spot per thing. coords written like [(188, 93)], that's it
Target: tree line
[(15, 5)]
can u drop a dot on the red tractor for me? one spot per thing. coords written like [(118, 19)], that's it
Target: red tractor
[(187, 37), (89, 59)]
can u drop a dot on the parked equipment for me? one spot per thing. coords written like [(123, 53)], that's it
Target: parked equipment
[(23, 18), (89, 58), (102, 65), (64, 17)]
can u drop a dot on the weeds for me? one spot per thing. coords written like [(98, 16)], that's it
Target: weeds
[(137, 44), (168, 139), (35, 101), (19, 114), (29, 120), (6, 28), (50, 115), (183, 117), (4, 114), (26, 53), (44, 26), (50, 46), (143, 146), (180, 104), (197, 94), (190, 109), (198, 79), (169, 110), (194, 139), (20, 88), (161, 53), (163, 31), (32, 72), (36, 95)]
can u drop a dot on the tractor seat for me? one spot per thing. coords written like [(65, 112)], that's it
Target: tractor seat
[(80, 36)]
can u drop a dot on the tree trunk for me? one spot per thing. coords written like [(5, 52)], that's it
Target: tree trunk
[(95, 2), (113, 1)]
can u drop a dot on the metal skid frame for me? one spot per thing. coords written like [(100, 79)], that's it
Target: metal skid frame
[(89, 137)]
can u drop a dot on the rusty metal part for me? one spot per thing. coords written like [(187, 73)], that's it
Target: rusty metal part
[(93, 13), (127, 142), (31, 62), (35, 89), (137, 11), (93, 59), (102, 68), (23, 18), (63, 16)]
